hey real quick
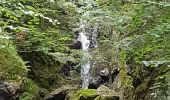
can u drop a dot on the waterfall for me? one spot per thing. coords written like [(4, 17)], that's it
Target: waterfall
[(86, 62), (86, 42), (87, 39)]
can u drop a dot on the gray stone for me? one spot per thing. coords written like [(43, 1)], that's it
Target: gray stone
[(104, 72)]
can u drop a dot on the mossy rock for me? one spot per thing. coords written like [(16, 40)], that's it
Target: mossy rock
[(91, 94), (44, 69), (48, 71), (11, 65), (85, 94), (107, 98)]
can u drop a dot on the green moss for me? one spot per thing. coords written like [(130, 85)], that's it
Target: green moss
[(122, 55), (85, 94), (11, 65), (91, 94), (30, 86), (126, 86), (124, 78), (107, 98), (143, 87), (98, 98), (45, 70), (26, 96)]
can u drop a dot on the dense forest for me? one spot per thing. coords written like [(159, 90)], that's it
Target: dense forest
[(84, 49)]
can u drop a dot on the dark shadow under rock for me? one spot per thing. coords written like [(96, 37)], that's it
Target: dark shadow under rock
[(75, 45), (59, 96)]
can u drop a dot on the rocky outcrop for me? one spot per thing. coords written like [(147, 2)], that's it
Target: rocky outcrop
[(62, 93), (68, 92), (75, 45), (9, 89), (92, 94), (102, 78)]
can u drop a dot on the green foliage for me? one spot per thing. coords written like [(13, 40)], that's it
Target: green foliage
[(26, 96), (30, 86), (160, 89), (143, 36), (30, 90), (36, 41), (137, 30), (26, 19)]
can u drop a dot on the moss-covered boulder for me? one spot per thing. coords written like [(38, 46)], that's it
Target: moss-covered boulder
[(44, 69), (49, 69), (11, 65), (92, 94), (12, 76), (85, 94)]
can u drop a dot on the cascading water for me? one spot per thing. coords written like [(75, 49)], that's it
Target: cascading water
[(85, 47), (86, 44)]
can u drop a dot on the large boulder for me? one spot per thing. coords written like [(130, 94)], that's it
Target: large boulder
[(102, 78), (62, 93), (9, 89), (84, 94), (12, 69), (92, 94)]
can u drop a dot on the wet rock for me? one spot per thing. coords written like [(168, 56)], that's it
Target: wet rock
[(66, 68), (9, 89), (106, 93), (103, 77), (13, 87), (95, 82), (75, 45), (104, 72), (61, 93), (102, 88), (4, 94)]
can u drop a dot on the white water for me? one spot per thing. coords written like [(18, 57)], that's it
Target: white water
[(85, 42), (86, 62)]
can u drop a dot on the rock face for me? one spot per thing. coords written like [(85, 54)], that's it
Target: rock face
[(8, 90), (67, 92), (75, 45), (104, 72), (49, 71), (44, 69), (4, 94), (102, 78), (62, 93)]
